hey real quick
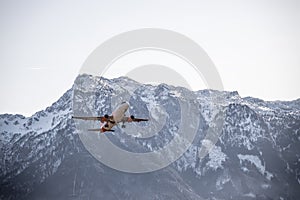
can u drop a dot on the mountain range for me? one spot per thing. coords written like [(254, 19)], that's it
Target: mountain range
[(256, 156)]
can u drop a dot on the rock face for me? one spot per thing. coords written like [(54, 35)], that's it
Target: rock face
[(257, 155)]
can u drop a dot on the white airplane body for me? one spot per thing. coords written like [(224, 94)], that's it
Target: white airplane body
[(108, 122), (120, 111)]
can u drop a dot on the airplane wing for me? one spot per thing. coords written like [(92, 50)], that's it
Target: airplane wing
[(100, 130), (139, 120), (133, 119), (96, 129), (100, 118)]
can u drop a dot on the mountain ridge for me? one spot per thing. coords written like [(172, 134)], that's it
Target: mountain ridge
[(257, 155)]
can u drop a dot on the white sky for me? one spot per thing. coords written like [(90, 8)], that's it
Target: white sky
[(255, 44)]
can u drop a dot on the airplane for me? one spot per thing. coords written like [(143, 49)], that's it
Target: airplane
[(117, 116)]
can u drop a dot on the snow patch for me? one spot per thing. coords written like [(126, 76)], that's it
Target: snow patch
[(257, 163), (250, 194), (216, 158)]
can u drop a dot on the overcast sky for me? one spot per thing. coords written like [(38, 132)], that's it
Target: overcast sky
[(255, 44)]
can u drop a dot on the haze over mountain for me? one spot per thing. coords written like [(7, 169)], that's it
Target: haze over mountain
[(256, 157)]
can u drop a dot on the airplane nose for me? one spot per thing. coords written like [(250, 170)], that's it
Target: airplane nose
[(125, 103)]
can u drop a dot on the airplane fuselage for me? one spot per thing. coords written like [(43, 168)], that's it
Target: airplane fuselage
[(119, 113)]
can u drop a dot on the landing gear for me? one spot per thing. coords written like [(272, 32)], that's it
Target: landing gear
[(123, 126)]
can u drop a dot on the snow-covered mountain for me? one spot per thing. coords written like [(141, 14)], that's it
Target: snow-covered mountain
[(257, 155)]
